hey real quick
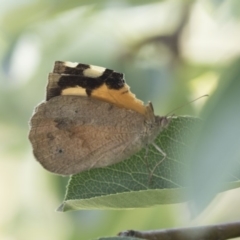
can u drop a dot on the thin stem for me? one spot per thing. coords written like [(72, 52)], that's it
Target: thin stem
[(212, 232)]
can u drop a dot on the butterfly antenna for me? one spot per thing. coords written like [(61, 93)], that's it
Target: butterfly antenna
[(206, 95)]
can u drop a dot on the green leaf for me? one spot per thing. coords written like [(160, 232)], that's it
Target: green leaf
[(128, 184), (216, 151)]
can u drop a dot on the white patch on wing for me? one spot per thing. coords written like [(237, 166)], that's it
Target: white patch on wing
[(70, 64), (94, 71), (74, 91)]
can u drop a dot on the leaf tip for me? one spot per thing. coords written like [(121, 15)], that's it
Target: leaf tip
[(61, 208)]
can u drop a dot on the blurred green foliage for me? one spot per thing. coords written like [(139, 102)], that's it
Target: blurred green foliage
[(170, 51)]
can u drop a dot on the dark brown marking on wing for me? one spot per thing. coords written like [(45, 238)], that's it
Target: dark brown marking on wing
[(64, 77)]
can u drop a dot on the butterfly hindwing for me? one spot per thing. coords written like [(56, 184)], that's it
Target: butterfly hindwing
[(68, 139)]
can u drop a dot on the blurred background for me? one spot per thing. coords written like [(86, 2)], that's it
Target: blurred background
[(170, 51)]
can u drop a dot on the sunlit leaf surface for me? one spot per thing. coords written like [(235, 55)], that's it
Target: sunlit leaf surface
[(123, 184)]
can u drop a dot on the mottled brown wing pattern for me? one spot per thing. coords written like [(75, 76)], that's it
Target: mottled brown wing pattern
[(68, 138)]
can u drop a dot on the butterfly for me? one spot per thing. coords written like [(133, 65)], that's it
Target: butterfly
[(90, 119)]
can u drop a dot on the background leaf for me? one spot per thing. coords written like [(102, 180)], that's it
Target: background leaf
[(216, 154)]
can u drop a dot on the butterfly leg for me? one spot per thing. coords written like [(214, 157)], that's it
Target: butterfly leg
[(146, 159), (164, 157)]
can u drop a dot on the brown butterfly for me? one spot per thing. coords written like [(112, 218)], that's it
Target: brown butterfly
[(90, 119)]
